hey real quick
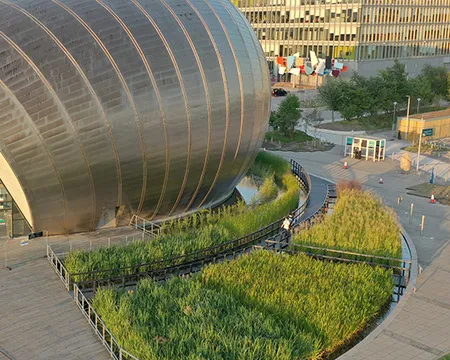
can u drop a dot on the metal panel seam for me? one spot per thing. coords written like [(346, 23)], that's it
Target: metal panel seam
[(227, 107), (125, 86), (183, 89), (154, 84)]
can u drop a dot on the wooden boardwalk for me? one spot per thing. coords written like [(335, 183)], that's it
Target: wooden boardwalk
[(38, 319)]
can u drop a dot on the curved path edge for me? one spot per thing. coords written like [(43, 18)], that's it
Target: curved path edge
[(410, 289)]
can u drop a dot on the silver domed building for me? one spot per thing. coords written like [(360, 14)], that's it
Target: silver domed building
[(111, 108)]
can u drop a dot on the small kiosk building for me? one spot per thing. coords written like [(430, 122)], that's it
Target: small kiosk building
[(368, 148)]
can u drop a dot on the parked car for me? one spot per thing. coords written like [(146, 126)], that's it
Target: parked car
[(279, 92)]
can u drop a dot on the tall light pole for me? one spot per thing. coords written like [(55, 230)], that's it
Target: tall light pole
[(407, 116), (394, 118), (418, 150), (418, 104)]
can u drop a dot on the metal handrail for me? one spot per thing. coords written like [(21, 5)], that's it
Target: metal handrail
[(143, 224), (101, 330), (211, 254), (401, 272), (249, 239), (59, 267)]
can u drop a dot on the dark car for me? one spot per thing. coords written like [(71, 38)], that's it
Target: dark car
[(279, 92)]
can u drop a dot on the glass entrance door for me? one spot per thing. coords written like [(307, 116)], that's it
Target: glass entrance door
[(12, 223)]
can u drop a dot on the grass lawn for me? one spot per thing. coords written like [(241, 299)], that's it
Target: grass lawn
[(359, 223), (258, 307), (446, 357), (276, 135), (376, 122), (441, 192), (275, 140)]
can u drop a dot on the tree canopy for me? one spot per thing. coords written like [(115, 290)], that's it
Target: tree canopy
[(359, 95), (288, 115)]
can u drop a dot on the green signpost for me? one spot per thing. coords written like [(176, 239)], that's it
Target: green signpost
[(427, 132)]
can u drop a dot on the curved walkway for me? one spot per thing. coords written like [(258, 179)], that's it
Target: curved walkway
[(419, 327), (317, 196)]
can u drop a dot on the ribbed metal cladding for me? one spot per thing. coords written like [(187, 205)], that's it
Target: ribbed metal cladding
[(110, 108)]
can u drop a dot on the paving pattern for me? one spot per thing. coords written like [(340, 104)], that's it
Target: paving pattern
[(38, 319)]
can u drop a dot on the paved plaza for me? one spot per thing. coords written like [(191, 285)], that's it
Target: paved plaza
[(38, 319)]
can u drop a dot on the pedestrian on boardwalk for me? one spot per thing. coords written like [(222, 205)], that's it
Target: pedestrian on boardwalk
[(286, 227)]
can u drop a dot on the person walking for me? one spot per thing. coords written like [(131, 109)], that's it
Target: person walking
[(286, 228)]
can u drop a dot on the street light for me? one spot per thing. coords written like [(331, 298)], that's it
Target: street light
[(418, 104), (407, 116), (393, 119)]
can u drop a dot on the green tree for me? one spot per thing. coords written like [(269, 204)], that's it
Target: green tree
[(420, 87), (365, 93), (396, 86), (437, 77), (330, 95), (288, 115), (273, 119), (353, 103)]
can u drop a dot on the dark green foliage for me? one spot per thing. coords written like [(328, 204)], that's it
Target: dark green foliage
[(359, 96), (288, 115), (330, 95)]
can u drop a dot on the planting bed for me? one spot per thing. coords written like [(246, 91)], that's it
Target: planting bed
[(260, 306), (277, 196), (359, 223)]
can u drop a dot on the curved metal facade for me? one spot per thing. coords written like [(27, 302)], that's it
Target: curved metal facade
[(110, 108)]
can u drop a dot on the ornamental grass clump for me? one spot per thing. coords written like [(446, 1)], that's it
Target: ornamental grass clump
[(260, 306), (359, 223), (201, 230)]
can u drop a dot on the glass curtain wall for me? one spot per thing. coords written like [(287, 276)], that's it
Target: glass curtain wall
[(12, 222), (350, 29)]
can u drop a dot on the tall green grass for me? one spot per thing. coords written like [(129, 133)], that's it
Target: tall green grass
[(359, 223), (201, 230), (260, 306)]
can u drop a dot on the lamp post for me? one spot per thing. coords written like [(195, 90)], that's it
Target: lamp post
[(418, 104), (407, 116), (418, 150), (394, 118)]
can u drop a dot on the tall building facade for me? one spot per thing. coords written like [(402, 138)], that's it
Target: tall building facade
[(360, 32)]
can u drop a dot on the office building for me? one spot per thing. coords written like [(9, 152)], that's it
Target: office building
[(366, 34)]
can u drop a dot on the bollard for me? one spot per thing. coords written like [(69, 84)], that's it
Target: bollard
[(422, 224), (411, 212), (90, 244), (399, 200), (109, 242), (6, 253)]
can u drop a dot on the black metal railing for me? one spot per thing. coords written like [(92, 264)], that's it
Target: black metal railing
[(401, 268), (188, 263)]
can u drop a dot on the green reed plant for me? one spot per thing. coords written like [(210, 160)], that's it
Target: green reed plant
[(359, 223), (260, 306), (203, 230)]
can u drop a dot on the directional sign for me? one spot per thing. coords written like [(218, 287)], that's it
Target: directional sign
[(427, 132), (2, 222)]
